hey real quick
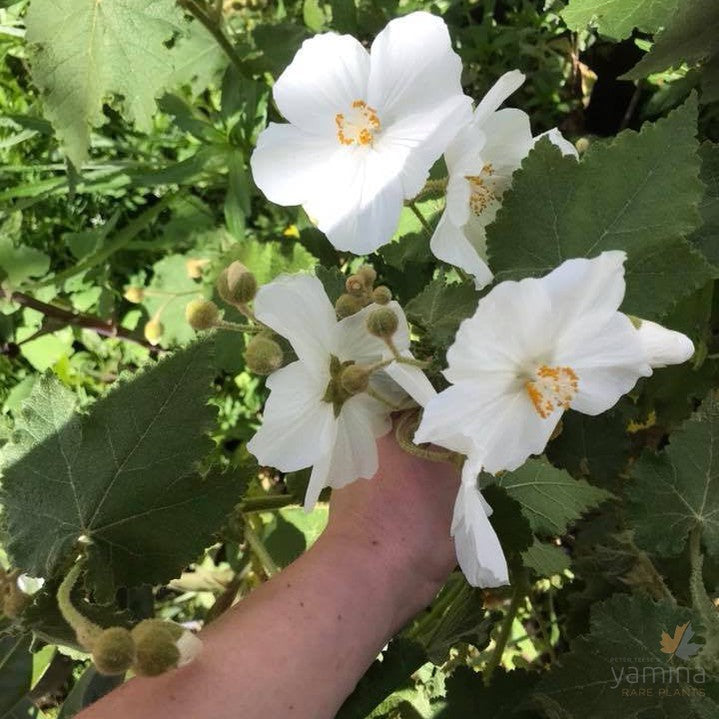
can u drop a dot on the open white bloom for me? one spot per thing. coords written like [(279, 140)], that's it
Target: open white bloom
[(364, 128), (481, 160), (305, 423), (532, 350)]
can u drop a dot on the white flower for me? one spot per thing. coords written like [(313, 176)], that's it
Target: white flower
[(481, 161), (663, 347), (29, 585), (301, 427), (364, 128)]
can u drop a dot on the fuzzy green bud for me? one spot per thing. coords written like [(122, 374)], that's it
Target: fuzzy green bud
[(347, 305), (237, 285), (355, 285), (263, 355), (354, 379), (135, 294), (202, 314), (381, 295), (154, 330), (156, 647), (368, 275), (113, 651), (383, 323)]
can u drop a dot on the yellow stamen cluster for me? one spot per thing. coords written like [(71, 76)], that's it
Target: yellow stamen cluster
[(483, 191), (359, 126), (552, 388)]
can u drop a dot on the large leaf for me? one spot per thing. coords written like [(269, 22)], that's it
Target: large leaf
[(86, 51), (603, 675), (440, 308), (678, 489), (550, 498), (706, 238), (638, 193), (15, 671), (617, 18), (120, 480)]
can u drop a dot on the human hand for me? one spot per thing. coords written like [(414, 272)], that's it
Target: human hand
[(400, 519)]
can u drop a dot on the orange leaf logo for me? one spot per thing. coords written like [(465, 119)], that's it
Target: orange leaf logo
[(669, 643)]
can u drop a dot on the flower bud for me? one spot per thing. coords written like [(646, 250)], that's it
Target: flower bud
[(368, 275), (662, 347), (347, 305), (154, 330), (135, 294), (236, 284), (113, 651), (263, 355), (202, 314), (354, 379), (382, 323), (155, 647), (381, 295), (354, 285), (162, 646)]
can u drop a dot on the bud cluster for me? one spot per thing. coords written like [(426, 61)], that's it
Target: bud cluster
[(360, 292)]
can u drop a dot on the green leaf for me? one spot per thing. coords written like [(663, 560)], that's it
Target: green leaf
[(15, 671), (121, 477), (506, 696), (269, 259), (400, 660), (440, 308), (83, 52), (313, 15), (602, 675), (546, 559), (18, 262), (691, 37), (344, 16), (90, 687), (596, 447), (678, 489), (639, 193), (617, 18), (550, 498), (706, 238), (332, 280), (170, 289)]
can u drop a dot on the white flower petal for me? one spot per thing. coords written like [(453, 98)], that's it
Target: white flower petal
[(509, 83), (479, 552), (297, 307), (508, 140), (296, 421), (413, 67), (413, 381), (353, 454), (459, 194), (662, 346), (328, 73), (450, 245), (361, 200), (556, 138), (289, 165), (463, 154), (608, 360)]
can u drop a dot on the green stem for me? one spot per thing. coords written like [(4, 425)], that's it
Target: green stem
[(214, 28), (505, 630), (123, 237), (85, 630), (546, 635), (257, 546), (235, 327), (418, 214), (374, 393)]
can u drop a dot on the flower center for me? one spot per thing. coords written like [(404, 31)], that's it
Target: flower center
[(358, 126), (483, 189), (552, 388)]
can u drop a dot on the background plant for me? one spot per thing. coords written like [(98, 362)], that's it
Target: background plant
[(122, 197)]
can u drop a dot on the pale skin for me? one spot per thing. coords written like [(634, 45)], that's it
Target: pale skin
[(297, 646)]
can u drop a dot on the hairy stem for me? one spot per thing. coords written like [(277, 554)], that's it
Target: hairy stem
[(422, 219), (85, 630), (257, 546), (505, 630)]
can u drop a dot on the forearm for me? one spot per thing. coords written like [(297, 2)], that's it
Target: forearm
[(295, 647)]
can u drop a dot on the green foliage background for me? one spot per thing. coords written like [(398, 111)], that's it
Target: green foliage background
[(125, 165)]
